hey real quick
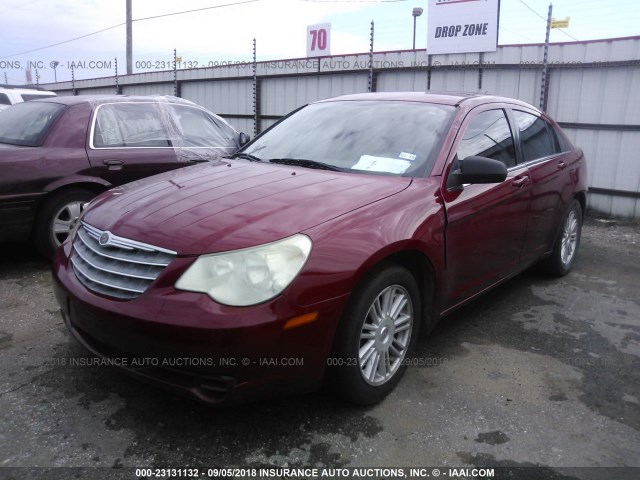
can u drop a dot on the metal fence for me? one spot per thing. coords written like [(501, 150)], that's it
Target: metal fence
[(592, 90)]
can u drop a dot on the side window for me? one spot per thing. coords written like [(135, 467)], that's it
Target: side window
[(4, 100), (200, 130), (535, 135), (130, 125), (488, 135), (563, 144)]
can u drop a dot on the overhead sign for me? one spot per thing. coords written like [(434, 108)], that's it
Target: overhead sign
[(564, 23), (461, 26), (319, 40)]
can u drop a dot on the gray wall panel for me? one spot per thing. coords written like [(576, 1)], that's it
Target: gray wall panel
[(148, 89), (590, 94), (221, 96), (281, 95), (98, 91)]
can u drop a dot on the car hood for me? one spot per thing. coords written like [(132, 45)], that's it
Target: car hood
[(221, 206)]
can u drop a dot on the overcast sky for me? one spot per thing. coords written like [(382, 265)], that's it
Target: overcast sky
[(279, 26)]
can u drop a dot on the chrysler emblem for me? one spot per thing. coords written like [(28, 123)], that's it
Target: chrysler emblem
[(104, 239)]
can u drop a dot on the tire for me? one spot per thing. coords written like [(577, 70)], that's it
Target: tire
[(565, 248), (360, 379), (65, 206)]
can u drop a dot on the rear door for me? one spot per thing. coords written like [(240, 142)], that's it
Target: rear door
[(486, 223), (129, 141), (548, 167)]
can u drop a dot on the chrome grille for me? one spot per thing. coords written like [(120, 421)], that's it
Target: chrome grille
[(116, 266)]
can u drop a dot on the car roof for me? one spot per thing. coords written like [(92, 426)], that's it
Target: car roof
[(101, 99), (443, 98), (25, 89)]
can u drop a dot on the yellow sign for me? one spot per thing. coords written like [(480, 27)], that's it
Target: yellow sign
[(179, 59), (560, 23)]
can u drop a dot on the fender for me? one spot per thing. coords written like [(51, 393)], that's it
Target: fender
[(73, 180)]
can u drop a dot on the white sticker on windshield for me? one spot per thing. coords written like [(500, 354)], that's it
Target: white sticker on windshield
[(407, 156), (382, 164)]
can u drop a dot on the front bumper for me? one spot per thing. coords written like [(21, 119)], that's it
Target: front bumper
[(188, 343)]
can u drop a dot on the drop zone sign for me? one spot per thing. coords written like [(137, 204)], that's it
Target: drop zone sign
[(461, 26)]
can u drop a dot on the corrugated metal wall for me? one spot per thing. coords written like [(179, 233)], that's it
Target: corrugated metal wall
[(592, 91)]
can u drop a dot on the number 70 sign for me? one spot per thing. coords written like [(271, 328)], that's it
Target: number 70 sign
[(318, 40)]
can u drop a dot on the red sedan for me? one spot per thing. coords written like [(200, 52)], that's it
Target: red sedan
[(321, 249)]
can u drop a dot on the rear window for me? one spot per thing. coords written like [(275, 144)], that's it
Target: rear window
[(27, 123), (27, 97)]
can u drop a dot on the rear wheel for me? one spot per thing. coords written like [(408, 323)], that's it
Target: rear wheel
[(564, 252), (57, 218), (379, 329)]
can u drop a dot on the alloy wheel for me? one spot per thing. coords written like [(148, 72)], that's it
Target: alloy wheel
[(385, 335), (569, 240), (65, 220)]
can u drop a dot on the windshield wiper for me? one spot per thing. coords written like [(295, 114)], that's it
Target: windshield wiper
[(193, 156), (301, 162), (245, 156)]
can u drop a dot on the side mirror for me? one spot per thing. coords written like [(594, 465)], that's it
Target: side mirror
[(477, 170), (243, 139)]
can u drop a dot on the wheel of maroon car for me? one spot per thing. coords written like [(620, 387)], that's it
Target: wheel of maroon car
[(378, 330), (57, 218), (564, 251)]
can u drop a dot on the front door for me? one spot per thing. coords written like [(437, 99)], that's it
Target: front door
[(486, 223)]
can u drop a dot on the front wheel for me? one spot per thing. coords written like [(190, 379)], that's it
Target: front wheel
[(379, 329), (564, 252), (57, 218)]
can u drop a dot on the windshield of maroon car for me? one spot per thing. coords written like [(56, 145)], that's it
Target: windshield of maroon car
[(26, 124), (384, 137)]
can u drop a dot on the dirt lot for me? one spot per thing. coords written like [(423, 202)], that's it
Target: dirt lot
[(541, 372)]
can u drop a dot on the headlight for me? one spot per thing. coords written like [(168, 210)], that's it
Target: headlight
[(248, 276)]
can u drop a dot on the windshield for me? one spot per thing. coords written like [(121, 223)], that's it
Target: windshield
[(384, 137), (27, 123)]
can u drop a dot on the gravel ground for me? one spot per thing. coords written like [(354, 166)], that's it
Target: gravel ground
[(540, 372)]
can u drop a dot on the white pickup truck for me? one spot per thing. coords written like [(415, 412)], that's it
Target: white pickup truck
[(10, 94)]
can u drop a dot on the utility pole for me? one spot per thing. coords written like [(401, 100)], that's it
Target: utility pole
[(254, 64), (370, 83), (55, 64), (129, 39), (543, 87), (416, 13)]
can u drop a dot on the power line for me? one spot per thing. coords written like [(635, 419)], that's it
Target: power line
[(124, 23), (545, 20), (195, 10), (354, 1), (533, 11), (65, 41)]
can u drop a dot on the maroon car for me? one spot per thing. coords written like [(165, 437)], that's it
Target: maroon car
[(59, 153), (324, 247)]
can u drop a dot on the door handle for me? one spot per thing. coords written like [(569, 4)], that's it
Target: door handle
[(113, 164), (561, 165), (520, 181)]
